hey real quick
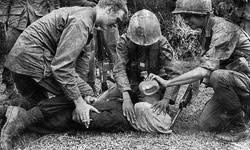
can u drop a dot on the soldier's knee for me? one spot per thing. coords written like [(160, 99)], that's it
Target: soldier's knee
[(218, 77), (207, 122), (203, 124)]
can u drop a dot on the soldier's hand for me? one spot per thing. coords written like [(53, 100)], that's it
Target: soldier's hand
[(161, 107), (158, 79), (81, 112), (128, 108)]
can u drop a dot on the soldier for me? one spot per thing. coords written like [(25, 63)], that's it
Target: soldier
[(245, 23), (144, 50), (15, 16), (13, 20), (43, 60), (225, 67), (104, 42)]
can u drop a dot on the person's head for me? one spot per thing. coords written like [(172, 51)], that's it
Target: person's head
[(194, 12), (110, 12), (144, 28), (150, 91)]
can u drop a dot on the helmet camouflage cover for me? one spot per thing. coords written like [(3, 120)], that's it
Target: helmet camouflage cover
[(201, 7), (144, 28)]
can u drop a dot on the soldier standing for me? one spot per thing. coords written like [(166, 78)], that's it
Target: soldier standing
[(15, 16)]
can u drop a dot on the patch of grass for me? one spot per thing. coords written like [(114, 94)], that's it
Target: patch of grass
[(186, 135)]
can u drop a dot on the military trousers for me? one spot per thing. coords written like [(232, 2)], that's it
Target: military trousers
[(11, 36), (231, 95), (57, 111)]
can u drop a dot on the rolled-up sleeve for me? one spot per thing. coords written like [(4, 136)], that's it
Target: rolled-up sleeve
[(222, 45), (72, 42), (120, 64)]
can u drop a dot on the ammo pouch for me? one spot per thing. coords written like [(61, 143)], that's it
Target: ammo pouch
[(239, 65), (2, 37)]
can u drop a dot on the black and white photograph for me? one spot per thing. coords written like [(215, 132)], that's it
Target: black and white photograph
[(125, 74)]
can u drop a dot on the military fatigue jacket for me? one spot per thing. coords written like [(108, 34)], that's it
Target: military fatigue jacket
[(39, 8), (223, 43), (13, 12), (51, 45), (20, 13), (133, 59)]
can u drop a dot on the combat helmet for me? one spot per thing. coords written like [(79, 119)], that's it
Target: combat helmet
[(144, 28), (200, 7)]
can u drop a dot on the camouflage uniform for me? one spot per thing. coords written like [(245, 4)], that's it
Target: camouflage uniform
[(224, 43), (51, 47), (14, 20), (246, 18), (132, 60), (16, 15)]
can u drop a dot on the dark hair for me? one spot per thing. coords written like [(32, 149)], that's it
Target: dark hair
[(115, 5)]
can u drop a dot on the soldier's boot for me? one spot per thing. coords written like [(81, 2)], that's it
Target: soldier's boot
[(17, 120), (238, 129)]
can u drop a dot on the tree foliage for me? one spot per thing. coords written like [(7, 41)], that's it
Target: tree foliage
[(231, 10)]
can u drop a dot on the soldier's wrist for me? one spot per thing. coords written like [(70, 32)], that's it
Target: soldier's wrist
[(126, 95), (79, 101)]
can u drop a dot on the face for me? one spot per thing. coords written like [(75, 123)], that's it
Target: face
[(193, 21), (109, 18)]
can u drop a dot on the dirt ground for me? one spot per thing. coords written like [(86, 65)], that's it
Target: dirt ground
[(186, 135)]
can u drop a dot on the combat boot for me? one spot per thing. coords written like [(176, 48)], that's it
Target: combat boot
[(17, 120), (238, 129)]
